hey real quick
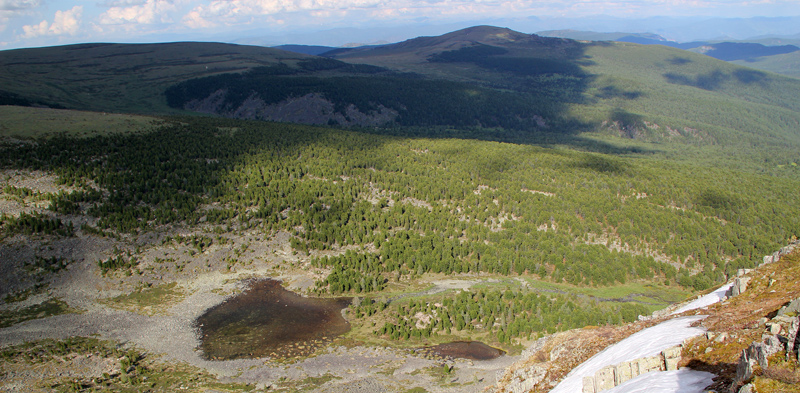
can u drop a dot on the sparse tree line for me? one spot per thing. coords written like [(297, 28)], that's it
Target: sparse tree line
[(503, 315)]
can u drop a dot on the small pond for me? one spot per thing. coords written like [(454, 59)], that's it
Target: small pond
[(266, 320), (474, 350)]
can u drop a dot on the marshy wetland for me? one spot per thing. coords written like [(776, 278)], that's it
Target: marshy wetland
[(473, 350), (267, 320)]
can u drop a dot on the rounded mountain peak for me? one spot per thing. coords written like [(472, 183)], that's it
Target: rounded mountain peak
[(487, 34)]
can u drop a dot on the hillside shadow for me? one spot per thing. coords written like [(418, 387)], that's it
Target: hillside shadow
[(678, 61), (751, 77), (547, 82), (610, 92), (709, 81), (714, 80), (545, 139), (518, 92)]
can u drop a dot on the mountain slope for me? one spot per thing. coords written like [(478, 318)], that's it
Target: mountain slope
[(641, 91), (730, 51), (786, 64), (489, 77), (122, 77), (487, 82), (757, 315)]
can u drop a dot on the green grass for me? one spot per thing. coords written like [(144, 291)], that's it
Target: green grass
[(306, 385), (653, 296), (135, 370), (149, 300), (33, 123), (48, 308), (786, 64)]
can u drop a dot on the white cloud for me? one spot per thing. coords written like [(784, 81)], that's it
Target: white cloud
[(64, 22), (195, 20), (149, 12), (18, 5), (233, 10), (221, 13), (13, 8), (121, 3)]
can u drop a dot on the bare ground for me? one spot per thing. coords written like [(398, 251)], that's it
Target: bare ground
[(204, 276)]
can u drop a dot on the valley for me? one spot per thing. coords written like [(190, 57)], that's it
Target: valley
[(548, 188)]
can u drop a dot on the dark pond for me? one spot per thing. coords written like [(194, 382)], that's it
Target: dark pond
[(474, 350), (268, 321)]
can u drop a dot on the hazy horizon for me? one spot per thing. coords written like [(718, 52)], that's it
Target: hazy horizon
[(33, 23)]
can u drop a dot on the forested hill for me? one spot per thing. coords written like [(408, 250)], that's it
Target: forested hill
[(483, 82), (120, 77), (515, 86)]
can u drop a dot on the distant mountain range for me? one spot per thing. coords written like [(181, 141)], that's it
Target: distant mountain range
[(482, 79), (680, 29), (757, 53)]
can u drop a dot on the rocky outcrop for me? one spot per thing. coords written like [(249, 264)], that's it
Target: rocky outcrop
[(776, 256), (740, 282), (758, 353), (527, 378), (311, 108), (738, 287), (611, 376), (749, 388), (543, 366)]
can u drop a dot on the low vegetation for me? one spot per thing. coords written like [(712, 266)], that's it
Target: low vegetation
[(148, 300), (113, 368), (47, 308)]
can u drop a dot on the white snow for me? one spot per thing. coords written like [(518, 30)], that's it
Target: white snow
[(684, 381), (705, 301), (650, 342)]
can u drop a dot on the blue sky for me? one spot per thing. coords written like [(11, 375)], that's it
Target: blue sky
[(27, 23)]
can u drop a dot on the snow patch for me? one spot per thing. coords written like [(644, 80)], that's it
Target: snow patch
[(684, 381), (705, 301), (648, 342)]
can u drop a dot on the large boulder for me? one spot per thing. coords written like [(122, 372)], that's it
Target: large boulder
[(738, 287)]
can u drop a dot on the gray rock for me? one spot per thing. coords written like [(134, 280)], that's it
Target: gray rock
[(525, 379), (671, 358), (772, 345), (758, 352), (622, 373), (742, 272), (738, 287), (588, 385), (791, 309), (749, 388), (791, 337), (604, 379), (744, 369)]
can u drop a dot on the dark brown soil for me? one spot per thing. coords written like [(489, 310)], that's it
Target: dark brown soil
[(474, 350), (266, 320)]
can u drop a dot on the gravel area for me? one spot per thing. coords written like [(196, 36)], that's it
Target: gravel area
[(205, 282), (204, 277)]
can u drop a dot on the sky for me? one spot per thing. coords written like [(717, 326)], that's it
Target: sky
[(33, 23)]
